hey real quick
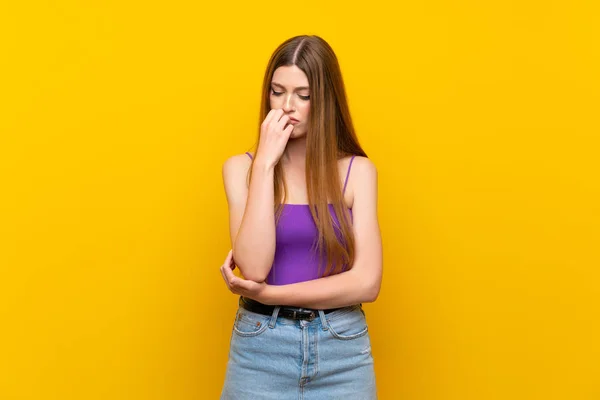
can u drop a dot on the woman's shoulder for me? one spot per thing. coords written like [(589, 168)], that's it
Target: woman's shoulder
[(235, 170), (360, 174), (361, 164), (364, 163), (237, 161)]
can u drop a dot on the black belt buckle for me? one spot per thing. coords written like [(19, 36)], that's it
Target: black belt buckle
[(301, 313)]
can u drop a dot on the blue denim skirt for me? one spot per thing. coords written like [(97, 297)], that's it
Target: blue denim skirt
[(272, 357)]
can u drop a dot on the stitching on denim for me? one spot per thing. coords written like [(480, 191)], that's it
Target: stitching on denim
[(340, 313), (354, 336), (257, 332), (250, 320)]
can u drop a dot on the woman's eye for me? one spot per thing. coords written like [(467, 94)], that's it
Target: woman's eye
[(274, 93)]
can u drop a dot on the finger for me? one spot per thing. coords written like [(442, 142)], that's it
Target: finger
[(229, 258), (242, 284), (235, 283), (230, 262), (288, 130), (283, 119), (224, 275), (271, 116), (277, 115), (229, 276)]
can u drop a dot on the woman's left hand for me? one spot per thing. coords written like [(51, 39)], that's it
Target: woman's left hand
[(240, 286)]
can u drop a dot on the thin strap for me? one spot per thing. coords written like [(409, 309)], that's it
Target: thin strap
[(348, 174), (249, 155)]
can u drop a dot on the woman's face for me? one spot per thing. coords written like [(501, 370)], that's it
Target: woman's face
[(290, 92)]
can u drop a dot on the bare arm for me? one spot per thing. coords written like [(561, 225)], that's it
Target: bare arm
[(251, 217), (361, 284), (251, 211)]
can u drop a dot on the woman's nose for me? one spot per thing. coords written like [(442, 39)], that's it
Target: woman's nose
[(288, 103)]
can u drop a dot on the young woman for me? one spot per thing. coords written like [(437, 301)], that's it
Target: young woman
[(305, 237)]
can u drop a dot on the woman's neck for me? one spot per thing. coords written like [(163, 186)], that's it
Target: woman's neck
[(295, 151)]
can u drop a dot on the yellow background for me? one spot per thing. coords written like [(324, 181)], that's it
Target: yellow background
[(116, 117)]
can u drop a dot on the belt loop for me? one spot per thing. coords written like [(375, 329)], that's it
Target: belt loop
[(324, 324), (274, 317)]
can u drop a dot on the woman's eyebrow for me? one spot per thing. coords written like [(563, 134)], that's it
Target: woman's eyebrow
[(283, 87)]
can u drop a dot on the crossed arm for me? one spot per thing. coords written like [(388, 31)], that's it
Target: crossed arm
[(360, 284)]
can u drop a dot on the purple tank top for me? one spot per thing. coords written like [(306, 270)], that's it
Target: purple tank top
[(295, 236)]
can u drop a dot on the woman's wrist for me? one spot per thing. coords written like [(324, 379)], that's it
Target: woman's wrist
[(270, 295), (260, 164)]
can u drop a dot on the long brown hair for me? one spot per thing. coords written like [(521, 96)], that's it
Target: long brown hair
[(330, 136)]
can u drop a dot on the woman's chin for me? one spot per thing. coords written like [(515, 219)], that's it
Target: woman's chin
[(297, 135)]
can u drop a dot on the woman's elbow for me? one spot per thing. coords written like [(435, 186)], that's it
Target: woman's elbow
[(254, 275), (372, 291), (371, 296), (249, 269)]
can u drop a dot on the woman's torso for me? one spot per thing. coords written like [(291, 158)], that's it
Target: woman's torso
[(296, 258)]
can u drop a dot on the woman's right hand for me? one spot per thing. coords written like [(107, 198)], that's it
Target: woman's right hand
[(274, 135)]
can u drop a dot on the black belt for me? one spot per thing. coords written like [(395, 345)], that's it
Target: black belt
[(284, 311)]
